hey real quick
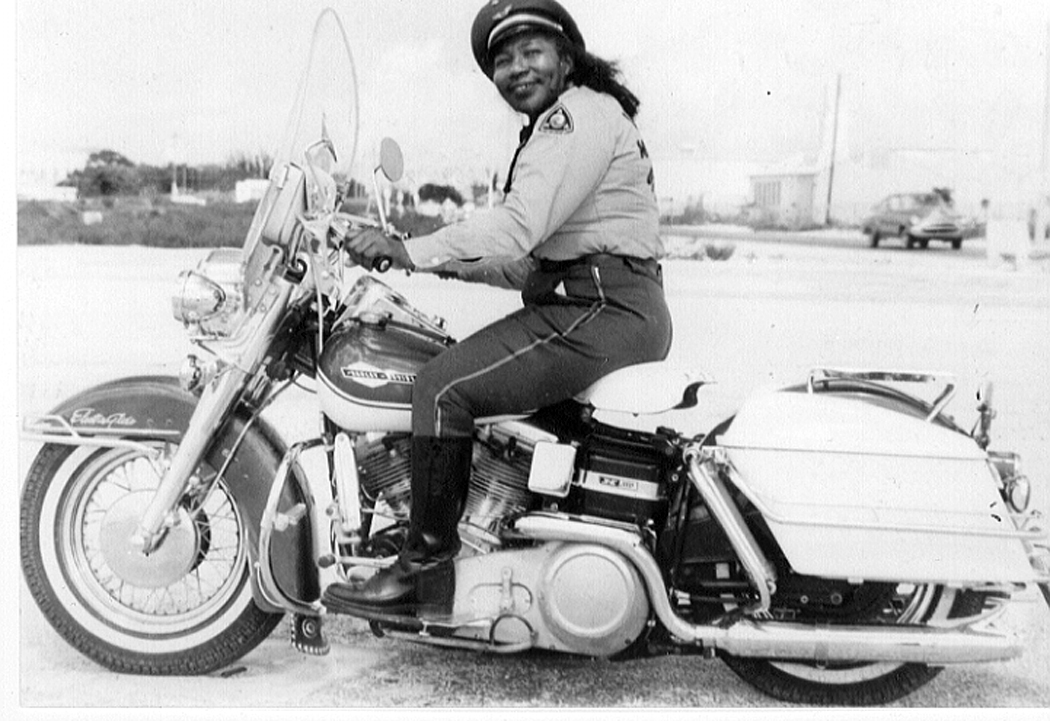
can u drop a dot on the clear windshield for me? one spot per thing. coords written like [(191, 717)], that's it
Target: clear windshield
[(325, 107), (316, 153)]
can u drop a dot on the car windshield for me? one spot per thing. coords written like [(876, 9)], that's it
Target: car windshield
[(920, 201)]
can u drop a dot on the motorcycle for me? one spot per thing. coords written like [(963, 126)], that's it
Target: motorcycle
[(838, 541)]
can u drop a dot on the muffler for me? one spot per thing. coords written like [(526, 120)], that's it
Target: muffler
[(837, 644), (778, 639)]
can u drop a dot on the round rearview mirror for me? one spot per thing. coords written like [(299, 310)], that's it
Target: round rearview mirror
[(391, 162), (985, 393)]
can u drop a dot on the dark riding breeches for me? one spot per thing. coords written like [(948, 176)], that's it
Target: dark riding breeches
[(581, 320)]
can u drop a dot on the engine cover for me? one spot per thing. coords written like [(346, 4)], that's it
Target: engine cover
[(583, 599)]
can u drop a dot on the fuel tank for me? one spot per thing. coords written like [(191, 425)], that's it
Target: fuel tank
[(367, 371)]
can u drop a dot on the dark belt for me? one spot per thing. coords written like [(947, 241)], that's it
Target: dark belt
[(643, 266)]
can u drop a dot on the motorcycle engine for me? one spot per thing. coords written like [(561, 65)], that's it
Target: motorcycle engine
[(499, 483), (575, 597)]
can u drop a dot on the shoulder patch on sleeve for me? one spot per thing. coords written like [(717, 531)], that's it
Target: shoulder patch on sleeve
[(558, 121)]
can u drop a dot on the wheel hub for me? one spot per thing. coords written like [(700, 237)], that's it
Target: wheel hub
[(169, 562)]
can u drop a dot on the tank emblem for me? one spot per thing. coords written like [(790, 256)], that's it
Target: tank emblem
[(373, 377)]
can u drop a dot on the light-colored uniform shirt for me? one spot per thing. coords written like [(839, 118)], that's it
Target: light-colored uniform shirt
[(582, 183)]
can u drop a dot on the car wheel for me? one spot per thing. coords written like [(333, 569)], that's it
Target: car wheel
[(909, 242), (924, 244), (956, 244), (873, 241)]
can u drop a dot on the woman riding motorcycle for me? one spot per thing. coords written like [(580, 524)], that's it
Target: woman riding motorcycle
[(577, 233)]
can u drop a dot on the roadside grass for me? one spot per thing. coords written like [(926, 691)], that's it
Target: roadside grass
[(157, 223), (162, 224), (154, 224)]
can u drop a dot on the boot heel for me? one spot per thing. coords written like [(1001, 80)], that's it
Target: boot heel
[(436, 590)]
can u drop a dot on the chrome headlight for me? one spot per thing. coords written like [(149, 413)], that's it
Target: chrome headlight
[(209, 300), (1016, 489), (1018, 493)]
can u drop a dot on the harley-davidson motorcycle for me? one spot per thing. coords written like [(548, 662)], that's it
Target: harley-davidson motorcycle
[(838, 541)]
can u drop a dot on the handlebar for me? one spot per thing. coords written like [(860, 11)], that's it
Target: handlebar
[(343, 222)]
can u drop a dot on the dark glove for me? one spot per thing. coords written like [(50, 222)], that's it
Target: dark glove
[(373, 248)]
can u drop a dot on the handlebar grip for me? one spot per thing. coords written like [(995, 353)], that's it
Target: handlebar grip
[(382, 264)]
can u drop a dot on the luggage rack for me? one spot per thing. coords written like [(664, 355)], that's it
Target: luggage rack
[(819, 375)]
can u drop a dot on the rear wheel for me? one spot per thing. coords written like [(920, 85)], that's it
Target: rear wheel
[(187, 608), (863, 684), (956, 244), (873, 241)]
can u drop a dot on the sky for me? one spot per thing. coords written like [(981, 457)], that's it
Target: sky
[(746, 80)]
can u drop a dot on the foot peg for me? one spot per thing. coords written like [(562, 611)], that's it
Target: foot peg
[(308, 635)]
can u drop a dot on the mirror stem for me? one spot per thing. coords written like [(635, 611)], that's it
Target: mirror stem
[(379, 201)]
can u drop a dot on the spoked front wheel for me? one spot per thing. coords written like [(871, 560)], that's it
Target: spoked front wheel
[(863, 684), (187, 608)]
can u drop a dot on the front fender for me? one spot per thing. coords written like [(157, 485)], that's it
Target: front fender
[(156, 406)]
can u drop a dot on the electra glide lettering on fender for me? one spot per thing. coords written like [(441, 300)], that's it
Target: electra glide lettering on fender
[(837, 541)]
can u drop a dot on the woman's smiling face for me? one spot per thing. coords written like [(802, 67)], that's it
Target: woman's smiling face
[(530, 73)]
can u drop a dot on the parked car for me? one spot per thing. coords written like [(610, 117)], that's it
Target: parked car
[(918, 218)]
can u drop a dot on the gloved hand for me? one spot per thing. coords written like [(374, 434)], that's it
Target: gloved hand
[(372, 245)]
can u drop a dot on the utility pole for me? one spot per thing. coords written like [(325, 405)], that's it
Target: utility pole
[(834, 143), (1044, 165)]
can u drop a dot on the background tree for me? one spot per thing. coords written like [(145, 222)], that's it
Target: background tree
[(440, 193), (107, 173)]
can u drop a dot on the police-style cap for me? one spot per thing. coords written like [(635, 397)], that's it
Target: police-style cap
[(500, 19)]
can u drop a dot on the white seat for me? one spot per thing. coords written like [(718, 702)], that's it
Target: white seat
[(645, 389)]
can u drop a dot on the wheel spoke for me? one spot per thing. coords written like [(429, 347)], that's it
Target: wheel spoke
[(216, 527)]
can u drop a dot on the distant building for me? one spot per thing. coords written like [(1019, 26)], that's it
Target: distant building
[(250, 190), (784, 197)]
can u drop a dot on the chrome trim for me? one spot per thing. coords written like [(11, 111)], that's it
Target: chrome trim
[(36, 429), (874, 375), (817, 375), (461, 643), (704, 475), (782, 640), (897, 644), (211, 412), (770, 515), (629, 543), (348, 488), (213, 408), (267, 583)]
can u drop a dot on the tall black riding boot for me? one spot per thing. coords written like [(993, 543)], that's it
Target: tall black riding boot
[(424, 575)]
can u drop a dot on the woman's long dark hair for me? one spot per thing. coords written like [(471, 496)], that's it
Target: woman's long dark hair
[(599, 75)]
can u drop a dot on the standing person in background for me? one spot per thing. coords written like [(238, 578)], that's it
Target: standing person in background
[(577, 233)]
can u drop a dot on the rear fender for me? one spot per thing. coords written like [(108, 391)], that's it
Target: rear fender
[(157, 407)]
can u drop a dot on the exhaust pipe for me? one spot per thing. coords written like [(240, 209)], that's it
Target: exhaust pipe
[(800, 642), (777, 639)]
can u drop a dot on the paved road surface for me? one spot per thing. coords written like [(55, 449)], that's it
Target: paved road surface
[(767, 314)]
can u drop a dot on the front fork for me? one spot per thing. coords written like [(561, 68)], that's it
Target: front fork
[(211, 413), (216, 404)]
